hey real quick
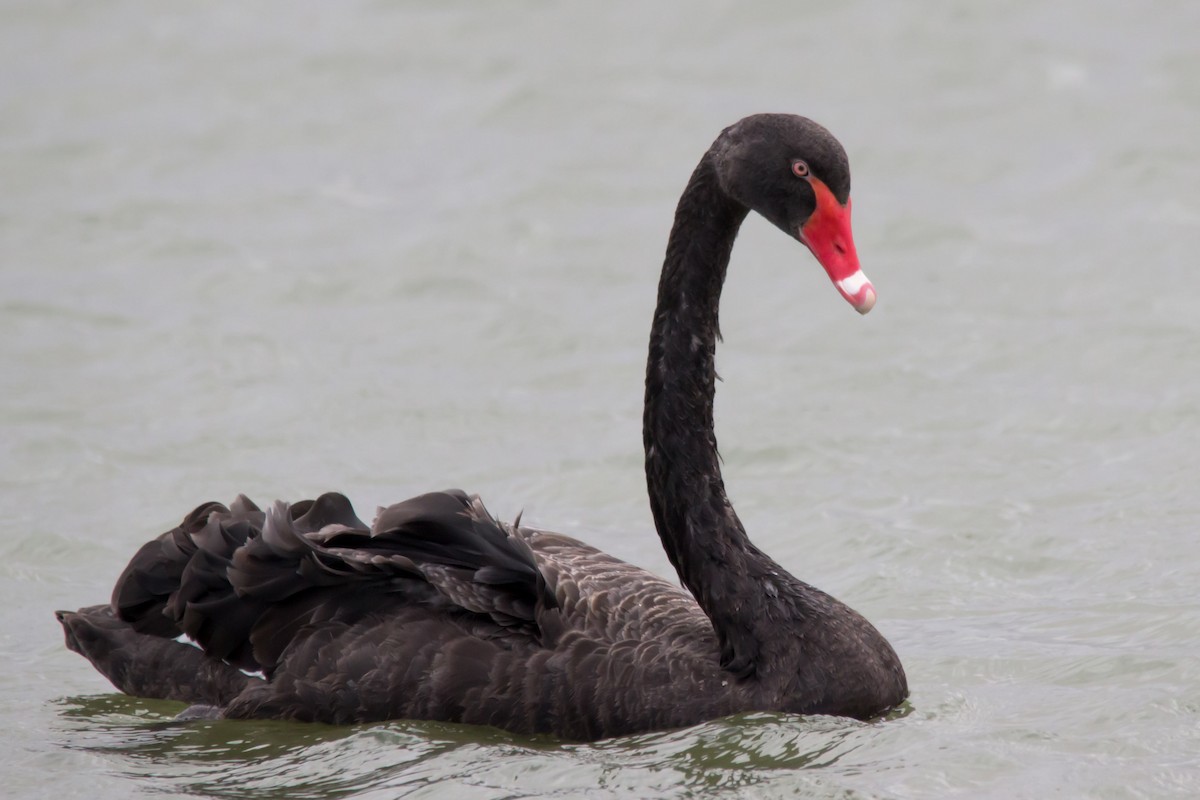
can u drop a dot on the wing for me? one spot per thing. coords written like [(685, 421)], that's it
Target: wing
[(245, 584), (612, 600)]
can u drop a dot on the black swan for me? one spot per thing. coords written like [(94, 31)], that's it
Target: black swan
[(438, 611)]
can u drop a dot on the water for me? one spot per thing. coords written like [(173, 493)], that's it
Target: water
[(286, 247)]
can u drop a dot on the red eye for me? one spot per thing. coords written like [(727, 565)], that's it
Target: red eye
[(799, 169)]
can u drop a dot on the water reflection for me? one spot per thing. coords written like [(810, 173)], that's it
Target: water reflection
[(141, 740), (735, 753)]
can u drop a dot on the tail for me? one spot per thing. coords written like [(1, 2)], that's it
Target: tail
[(133, 641), (177, 584), (145, 665)]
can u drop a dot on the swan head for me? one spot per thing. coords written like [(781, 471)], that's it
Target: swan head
[(794, 173)]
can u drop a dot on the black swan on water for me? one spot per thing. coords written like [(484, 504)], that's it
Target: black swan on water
[(438, 611)]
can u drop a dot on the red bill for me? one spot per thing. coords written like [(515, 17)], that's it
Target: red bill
[(827, 234)]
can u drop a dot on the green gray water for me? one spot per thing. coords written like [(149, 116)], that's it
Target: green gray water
[(286, 247)]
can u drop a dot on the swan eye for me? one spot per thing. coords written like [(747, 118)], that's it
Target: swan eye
[(799, 169)]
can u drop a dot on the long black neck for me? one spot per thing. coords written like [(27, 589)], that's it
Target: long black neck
[(732, 580)]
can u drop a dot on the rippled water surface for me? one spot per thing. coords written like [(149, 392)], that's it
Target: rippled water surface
[(286, 247)]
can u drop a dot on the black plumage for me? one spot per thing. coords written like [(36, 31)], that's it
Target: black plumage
[(439, 611)]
